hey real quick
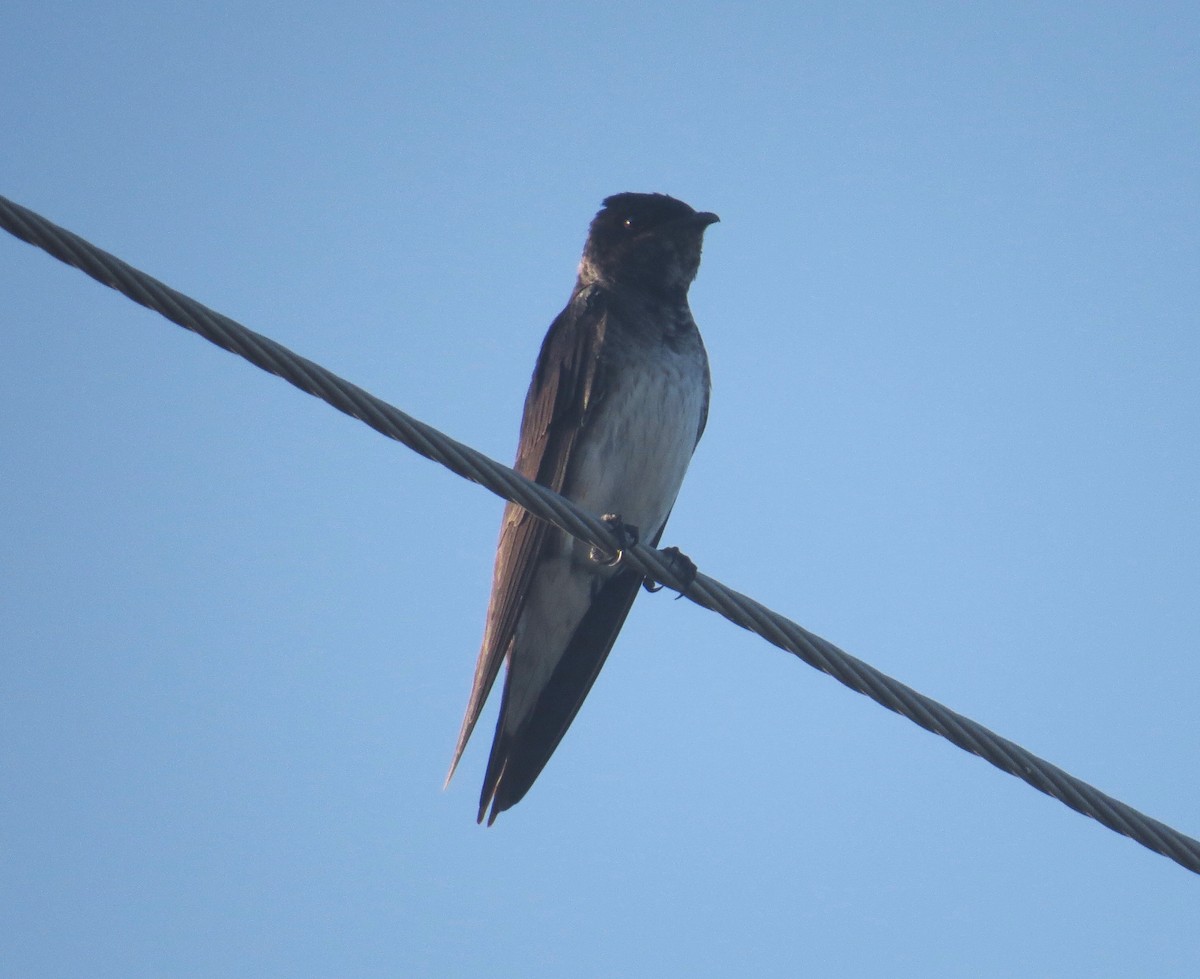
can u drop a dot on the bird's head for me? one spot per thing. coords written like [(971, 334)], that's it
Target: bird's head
[(646, 241)]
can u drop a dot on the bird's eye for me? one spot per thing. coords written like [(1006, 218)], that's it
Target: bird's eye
[(628, 224)]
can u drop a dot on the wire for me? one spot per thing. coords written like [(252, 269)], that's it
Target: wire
[(503, 481)]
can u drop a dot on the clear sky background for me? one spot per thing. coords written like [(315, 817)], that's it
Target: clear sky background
[(953, 313)]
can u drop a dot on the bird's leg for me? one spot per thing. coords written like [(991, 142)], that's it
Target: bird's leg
[(682, 566), (626, 534)]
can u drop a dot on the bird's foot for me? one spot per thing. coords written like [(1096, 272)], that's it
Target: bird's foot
[(626, 534), (682, 566)]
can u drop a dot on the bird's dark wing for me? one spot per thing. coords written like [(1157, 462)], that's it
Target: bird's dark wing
[(559, 398), (518, 757)]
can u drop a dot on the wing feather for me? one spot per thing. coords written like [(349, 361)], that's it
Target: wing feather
[(555, 410)]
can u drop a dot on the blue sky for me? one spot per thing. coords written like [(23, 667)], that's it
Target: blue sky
[(952, 311)]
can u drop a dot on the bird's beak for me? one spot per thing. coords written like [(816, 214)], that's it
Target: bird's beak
[(705, 218)]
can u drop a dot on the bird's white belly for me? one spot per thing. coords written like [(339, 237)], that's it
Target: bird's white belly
[(637, 450)]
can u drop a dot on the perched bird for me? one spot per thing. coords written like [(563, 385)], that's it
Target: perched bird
[(618, 401)]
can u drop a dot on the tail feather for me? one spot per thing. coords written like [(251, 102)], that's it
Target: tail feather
[(519, 753)]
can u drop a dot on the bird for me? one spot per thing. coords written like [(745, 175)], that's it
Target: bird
[(617, 403)]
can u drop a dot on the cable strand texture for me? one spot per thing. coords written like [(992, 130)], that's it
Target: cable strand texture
[(503, 481)]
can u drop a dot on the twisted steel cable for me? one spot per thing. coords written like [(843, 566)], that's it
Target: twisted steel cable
[(503, 481)]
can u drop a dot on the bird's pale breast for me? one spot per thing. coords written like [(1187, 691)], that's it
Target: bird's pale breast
[(641, 441)]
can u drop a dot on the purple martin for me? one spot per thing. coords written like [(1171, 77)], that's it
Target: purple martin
[(618, 401)]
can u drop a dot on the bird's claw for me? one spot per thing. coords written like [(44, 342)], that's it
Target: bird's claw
[(682, 566), (626, 534)]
